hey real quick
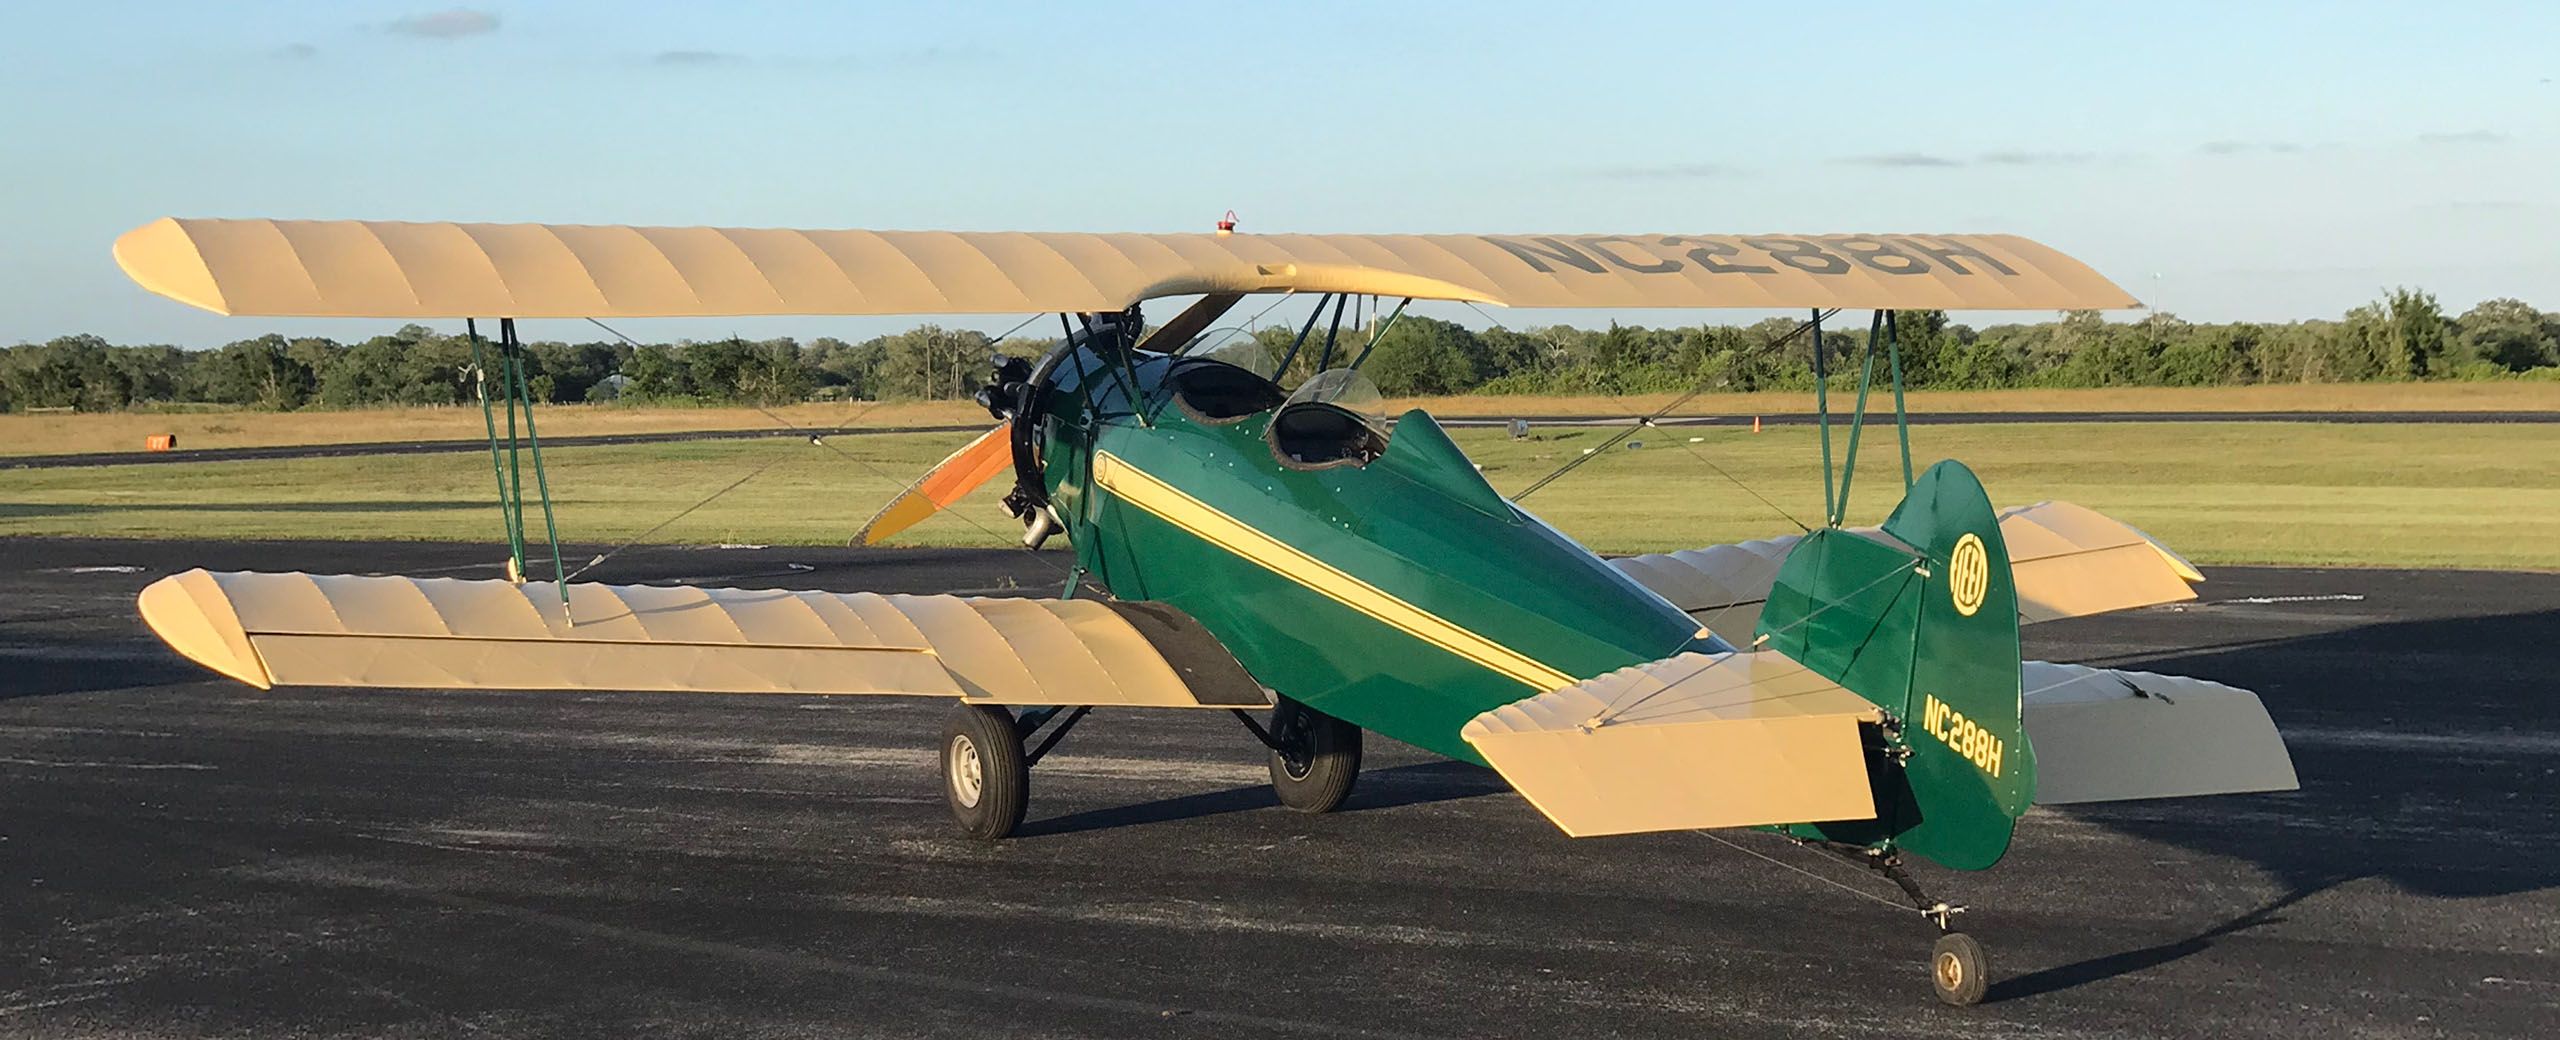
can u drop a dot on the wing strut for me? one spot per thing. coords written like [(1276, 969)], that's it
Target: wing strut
[(508, 466)]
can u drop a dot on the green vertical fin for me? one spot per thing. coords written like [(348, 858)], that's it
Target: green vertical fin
[(1930, 634)]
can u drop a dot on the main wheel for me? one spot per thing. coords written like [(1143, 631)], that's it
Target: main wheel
[(1318, 758), (1958, 971), (984, 772)]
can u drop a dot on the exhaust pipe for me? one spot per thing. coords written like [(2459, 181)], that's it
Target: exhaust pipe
[(1043, 523)]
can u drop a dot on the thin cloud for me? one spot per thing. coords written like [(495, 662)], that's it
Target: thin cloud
[(2463, 137), (941, 55), (693, 58), (2016, 158), (2248, 147), (1899, 160), (2476, 206), (295, 52), (1669, 172), (454, 24), (1997, 157)]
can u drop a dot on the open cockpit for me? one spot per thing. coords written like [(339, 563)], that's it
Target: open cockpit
[(1332, 419)]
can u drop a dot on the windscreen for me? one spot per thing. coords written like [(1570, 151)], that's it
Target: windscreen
[(1234, 346), (1344, 388)]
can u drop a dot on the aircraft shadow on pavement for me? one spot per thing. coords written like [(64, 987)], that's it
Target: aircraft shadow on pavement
[(114, 669), (1418, 784), (2416, 743), (2098, 969)]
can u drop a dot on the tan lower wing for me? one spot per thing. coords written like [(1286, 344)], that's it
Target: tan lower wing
[(2069, 561), (1690, 741), (443, 633)]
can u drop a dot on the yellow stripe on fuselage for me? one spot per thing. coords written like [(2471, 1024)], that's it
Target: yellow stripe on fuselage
[(1163, 500)]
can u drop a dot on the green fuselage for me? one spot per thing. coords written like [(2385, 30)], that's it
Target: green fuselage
[(1403, 595)]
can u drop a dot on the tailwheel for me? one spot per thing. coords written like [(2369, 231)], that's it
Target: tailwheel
[(985, 774), (1958, 970), (1315, 757)]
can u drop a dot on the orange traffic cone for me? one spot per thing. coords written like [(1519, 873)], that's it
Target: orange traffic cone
[(1755, 424)]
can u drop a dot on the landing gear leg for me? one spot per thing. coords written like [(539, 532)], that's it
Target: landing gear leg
[(1958, 969)]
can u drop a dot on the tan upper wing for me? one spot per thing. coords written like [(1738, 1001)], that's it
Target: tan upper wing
[(383, 269), (445, 633), (2068, 560), (1689, 741)]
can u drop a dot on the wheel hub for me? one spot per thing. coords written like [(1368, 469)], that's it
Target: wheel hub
[(1289, 739), (968, 776), (1950, 971)]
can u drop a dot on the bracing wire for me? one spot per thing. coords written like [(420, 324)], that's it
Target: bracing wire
[(820, 441), (1613, 710), (885, 475), (643, 536), (1833, 882), (1285, 297), (1644, 422)]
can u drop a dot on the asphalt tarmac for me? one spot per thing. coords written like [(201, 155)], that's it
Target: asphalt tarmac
[(181, 856), (324, 451)]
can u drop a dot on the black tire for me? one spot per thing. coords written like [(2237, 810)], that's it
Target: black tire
[(1958, 970), (1319, 757), (985, 775)]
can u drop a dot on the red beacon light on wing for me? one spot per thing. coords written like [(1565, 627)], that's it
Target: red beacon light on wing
[(1227, 224)]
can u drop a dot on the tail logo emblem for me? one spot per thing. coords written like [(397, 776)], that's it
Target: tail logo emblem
[(1968, 574)]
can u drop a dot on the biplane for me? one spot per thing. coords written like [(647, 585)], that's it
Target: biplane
[(1292, 554)]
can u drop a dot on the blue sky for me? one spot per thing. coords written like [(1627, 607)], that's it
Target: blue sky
[(2222, 160)]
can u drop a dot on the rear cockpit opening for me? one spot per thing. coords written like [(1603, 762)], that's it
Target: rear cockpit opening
[(1334, 419), (1322, 436)]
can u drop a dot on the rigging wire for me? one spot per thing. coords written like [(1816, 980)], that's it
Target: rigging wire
[(662, 524), (1833, 882), (1643, 422), (1615, 710), (1612, 710), (1257, 315), (819, 440), (885, 475)]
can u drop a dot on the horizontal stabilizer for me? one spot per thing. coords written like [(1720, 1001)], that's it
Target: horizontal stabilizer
[(1722, 586), (2068, 561), (444, 633), (2106, 736), (1695, 740), (2072, 561)]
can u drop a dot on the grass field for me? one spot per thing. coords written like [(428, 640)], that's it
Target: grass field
[(2417, 495), (119, 431)]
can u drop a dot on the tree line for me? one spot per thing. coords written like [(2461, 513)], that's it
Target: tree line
[(2403, 335)]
